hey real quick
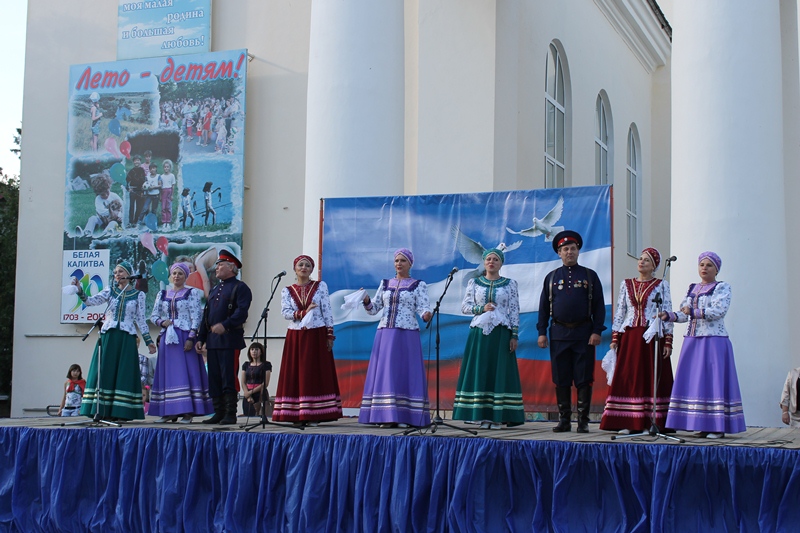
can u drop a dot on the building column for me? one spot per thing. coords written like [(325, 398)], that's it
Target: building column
[(355, 122), (728, 181)]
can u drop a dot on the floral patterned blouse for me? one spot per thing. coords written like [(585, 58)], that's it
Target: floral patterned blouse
[(295, 300), (183, 307), (400, 299), (708, 304), (126, 310), (503, 293)]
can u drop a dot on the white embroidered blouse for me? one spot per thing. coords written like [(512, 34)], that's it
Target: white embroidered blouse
[(400, 299), (708, 305), (636, 304), (503, 293), (126, 310), (295, 300), (184, 308)]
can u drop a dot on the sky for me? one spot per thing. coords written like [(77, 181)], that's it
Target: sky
[(12, 65)]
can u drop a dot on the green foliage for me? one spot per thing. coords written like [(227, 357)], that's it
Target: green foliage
[(9, 211)]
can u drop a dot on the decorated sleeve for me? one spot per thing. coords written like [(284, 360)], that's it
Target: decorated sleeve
[(195, 309), (513, 308), (468, 306), (141, 321), (325, 304), (666, 297), (422, 299), (99, 298), (376, 303), (288, 306), (621, 311), (155, 316)]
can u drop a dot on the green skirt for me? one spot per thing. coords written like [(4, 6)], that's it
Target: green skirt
[(488, 383), (120, 386)]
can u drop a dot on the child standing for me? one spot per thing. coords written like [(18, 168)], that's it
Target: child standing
[(152, 188), (167, 185), (186, 208), (135, 181), (790, 415), (73, 392), (207, 192)]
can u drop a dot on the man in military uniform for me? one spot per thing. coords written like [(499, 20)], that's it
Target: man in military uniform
[(222, 334), (573, 297)]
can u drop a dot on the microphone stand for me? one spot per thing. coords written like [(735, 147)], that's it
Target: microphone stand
[(437, 419), (654, 430), (96, 421), (264, 395)]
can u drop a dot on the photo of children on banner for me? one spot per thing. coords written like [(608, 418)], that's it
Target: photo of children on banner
[(108, 208)]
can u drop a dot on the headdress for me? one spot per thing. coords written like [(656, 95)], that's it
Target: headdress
[(654, 256), (225, 255), (496, 251), (301, 257), (567, 237), (405, 252), (714, 258)]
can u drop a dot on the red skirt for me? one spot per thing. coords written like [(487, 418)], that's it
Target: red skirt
[(630, 398), (308, 389)]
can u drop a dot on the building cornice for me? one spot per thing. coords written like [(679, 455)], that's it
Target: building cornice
[(641, 30)]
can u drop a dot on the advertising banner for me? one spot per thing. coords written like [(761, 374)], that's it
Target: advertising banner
[(154, 167), (157, 28), (360, 236)]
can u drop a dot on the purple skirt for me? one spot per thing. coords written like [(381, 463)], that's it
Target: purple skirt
[(396, 390), (180, 385), (706, 396)]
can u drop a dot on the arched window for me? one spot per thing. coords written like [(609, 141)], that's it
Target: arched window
[(555, 113), (601, 143), (633, 206)]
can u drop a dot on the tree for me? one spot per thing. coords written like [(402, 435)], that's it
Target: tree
[(17, 141), (9, 210), (9, 214)]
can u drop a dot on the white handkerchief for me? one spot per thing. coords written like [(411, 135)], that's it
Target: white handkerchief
[(306, 319), (609, 363), (69, 290), (352, 301), (656, 329), (487, 321), (172, 336)]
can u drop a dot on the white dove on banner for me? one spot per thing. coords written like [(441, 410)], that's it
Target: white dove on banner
[(472, 251), (545, 225)]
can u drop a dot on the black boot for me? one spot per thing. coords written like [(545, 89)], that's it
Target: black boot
[(584, 402), (564, 400), (219, 411), (231, 399)]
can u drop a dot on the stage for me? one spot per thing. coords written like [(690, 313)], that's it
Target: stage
[(344, 476)]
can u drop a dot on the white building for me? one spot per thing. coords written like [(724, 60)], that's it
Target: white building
[(357, 97)]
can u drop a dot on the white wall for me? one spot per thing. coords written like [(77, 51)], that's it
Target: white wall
[(474, 121)]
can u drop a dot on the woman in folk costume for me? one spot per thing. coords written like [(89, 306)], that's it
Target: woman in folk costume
[(629, 406), (396, 390), (488, 387), (180, 385), (308, 389), (706, 396), (119, 383)]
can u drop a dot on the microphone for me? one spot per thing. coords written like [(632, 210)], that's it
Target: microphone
[(672, 259), (455, 269), (280, 274), (135, 276)]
